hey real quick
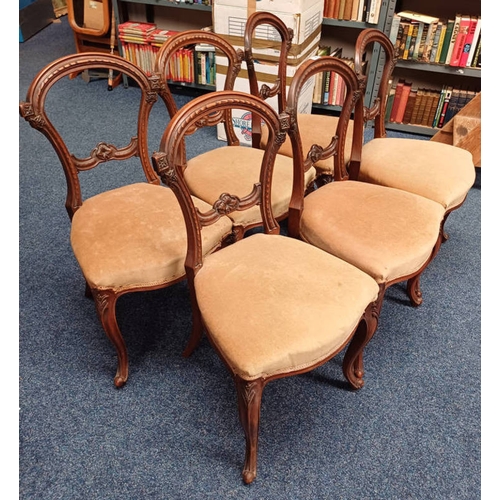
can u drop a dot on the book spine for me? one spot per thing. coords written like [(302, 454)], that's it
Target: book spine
[(456, 27), (460, 41), (474, 43), (468, 43)]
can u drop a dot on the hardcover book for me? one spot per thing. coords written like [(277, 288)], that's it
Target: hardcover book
[(458, 47)]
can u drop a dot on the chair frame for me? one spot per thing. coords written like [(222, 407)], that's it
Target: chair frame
[(33, 110), (210, 111)]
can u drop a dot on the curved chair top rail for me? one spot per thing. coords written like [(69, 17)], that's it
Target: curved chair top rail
[(336, 148), (33, 110), (106, 21), (193, 37), (208, 110), (366, 38), (279, 88)]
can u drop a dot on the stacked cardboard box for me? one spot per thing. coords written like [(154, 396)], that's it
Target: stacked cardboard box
[(229, 20)]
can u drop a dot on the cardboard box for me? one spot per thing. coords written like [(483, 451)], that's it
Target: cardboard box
[(266, 73), (305, 18)]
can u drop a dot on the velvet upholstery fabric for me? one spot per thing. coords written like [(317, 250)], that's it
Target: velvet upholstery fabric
[(315, 129), (235, 169), (390, 233), (135, 236), (275, 304), (440, 172)]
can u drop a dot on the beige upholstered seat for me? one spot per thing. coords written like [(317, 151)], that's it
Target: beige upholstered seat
[(126, 238), (231, 167), (441, 172), (272, 306), (390, 234)]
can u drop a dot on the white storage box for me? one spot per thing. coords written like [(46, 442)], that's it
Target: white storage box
[(304, 17), (266, 73)]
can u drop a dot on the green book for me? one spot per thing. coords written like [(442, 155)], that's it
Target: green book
[(446, 41)]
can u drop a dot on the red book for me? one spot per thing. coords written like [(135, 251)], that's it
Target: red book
[(397, 100), (400, 112), (460, 41), (468, 42)]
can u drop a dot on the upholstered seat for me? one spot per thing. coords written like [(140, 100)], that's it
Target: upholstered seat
[(134, 237), (390, 234), (272, 306), (232, 168), (441, 172), (437, 171)]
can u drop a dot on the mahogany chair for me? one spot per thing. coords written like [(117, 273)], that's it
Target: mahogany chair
[(127, 237), (390, 234), (233, 166), (440, 172), (257, 299)]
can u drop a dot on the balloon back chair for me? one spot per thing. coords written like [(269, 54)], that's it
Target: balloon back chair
[(390, 234), (257, 299), (127, 235)]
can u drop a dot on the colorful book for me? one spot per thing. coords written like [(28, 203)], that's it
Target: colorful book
[(446, 42), (458, 47), (442, 34), (468, 42), (397, 99), (447, 97), (474, 42), (405, 93), (435, 42), (456, 27), (410, 105)]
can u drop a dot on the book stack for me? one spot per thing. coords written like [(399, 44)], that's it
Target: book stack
[(142, 41), (456, 42), (424, 107), (367, 11), (134, 38)]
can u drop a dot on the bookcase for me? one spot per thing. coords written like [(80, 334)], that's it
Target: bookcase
[(167, 15), (434, 76), (178, 16)]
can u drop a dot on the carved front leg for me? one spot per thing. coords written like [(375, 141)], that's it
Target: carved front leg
[(249, 400), (105, 302), (352, 365)]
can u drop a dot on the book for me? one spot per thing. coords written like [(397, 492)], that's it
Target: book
[(424, 106), (476, 61), (442, 34), (327, 80), (431, 33), (435, 41), (433, 104), (420, 32), (347, 10), (341, 9), (423, 40), (446, 101), (458, 47), (397, 99), (405, 93), (456, 27), (452, 108), (439, 107), (468, 42), (418, 104), (410, 105), (474, 42), (446, 42), (355, 9), (414, 33), (393, 34), (374, 12), (399, 46), (390, 101)]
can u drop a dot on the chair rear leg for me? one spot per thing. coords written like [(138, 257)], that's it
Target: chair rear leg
[(249, 401), (105, 302)]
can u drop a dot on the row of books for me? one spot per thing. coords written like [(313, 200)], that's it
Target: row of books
[(329, 88), (141, 42), (455, 42), (200, 2), (367, 11), (424, 107)]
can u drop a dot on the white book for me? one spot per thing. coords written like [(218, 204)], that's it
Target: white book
[(473, 44)]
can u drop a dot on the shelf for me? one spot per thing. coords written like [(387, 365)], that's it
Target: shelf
[(411, 129), (438, 68), (342, 23), (166, 3)]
